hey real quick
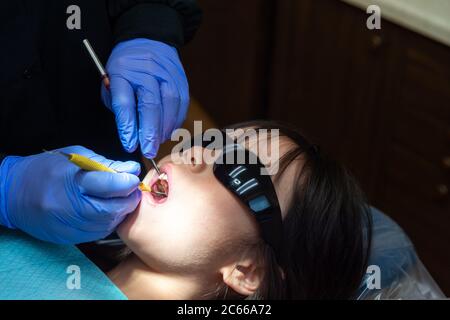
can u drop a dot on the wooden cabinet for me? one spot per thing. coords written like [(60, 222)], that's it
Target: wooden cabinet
[(326, 78), (413, 185), (380, 102), (227, 61)]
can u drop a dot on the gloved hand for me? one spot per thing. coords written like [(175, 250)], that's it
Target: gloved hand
[(51, 199), (151, 72)]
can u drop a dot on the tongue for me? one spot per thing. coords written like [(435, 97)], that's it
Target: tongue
[(160, 188)]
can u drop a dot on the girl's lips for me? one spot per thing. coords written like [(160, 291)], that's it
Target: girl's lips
[(153, 199)]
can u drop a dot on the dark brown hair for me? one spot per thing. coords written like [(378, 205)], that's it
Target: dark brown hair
[(326, 230)]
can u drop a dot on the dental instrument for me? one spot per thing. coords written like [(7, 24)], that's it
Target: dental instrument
[(98, 64), (155, 167), (90, 165)]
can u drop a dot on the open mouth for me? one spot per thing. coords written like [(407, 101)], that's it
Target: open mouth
[(160, 188)]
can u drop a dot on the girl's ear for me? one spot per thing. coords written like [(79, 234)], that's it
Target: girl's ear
[(244, 277)]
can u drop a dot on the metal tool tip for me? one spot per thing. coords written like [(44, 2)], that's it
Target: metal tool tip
[(155, 166)]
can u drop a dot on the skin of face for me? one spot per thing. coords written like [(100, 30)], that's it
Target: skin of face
[(195, 230)]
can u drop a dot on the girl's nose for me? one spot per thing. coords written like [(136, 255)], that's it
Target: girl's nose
[(193, 158)]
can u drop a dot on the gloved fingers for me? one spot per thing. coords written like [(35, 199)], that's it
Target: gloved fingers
[(111, 212), (184, 105), (88, 222), (123, 105), (130, 167), (171, 107), (106, 185), (174, 85), (171, 96), (52, 233), (150, 116), (106, 96), (183, 89)]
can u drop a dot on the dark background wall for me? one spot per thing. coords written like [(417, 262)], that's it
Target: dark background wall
[(377, 100), (229, 60)]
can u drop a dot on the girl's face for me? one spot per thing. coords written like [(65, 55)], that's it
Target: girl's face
[(193, 230)]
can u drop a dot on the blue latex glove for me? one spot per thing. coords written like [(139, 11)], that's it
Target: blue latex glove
[(51, 199), (151, 73)]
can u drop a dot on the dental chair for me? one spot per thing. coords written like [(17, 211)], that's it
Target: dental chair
[(402, 274), (31, 269)]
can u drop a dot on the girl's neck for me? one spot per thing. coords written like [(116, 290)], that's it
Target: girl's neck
[(138, 281)]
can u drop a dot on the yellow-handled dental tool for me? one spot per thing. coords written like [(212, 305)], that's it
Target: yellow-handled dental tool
[(90, 165)]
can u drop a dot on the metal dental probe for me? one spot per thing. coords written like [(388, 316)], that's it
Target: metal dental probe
[(155, 166), (98, 63)]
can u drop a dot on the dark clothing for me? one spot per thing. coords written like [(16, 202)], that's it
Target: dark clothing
[(50, 88)]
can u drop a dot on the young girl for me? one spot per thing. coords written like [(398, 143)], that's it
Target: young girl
[(207, 241)]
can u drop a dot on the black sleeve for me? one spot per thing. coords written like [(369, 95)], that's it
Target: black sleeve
[(171, 21), (2, 156)]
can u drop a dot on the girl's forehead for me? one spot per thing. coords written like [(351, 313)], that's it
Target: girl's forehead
[(268, 145)]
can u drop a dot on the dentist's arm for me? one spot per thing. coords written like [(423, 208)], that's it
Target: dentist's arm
[(51, 199)]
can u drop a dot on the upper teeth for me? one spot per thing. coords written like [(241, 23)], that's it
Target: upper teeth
[(163, 176)]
